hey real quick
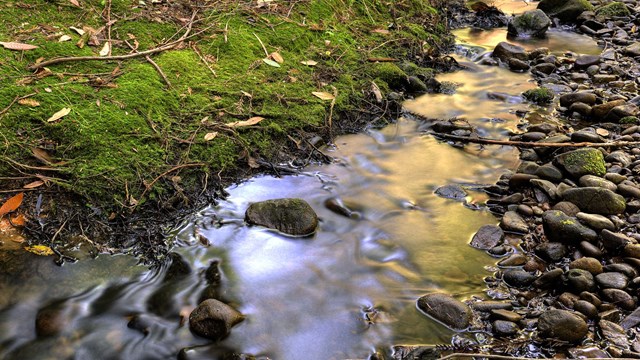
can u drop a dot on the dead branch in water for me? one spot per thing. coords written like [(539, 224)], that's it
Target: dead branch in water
[(525, 144)]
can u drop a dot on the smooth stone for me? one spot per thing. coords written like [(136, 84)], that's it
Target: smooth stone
[(518, 65), (527, 167), (589, 264), (629, 191), (513, 260), (518, 278), (545, 68), (584, 61), (628, 270), (587, 352), (567, 208), (505, 51), (614, 333), (530, 23), (487, 237), (596, 181), (548, 279), (621, 111), (619, 297), (586, 136), (600, 111), (290, 216), (559, 227), (551, 251), (505, 328), (452, 191), (613, 241), (547, 186), (619, 157), (581, 108), (583, 97), (507, 315), (562, 325), (213, 319), (446, 309), (615, 178), (595, 221), (633, 49), (610, 315), (579, 280), (612, 280), (512, 222), (631, 320), (568, 299), (549, 172), (586, 161), (520, 180), (596, 200), (589, 249), (632, 250), (588, 309), (591, 298), (489, 305)]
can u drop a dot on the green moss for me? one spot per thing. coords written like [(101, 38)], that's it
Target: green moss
[(589, 161), (615, 8), (539, 95), (390, 74), (629, 120)]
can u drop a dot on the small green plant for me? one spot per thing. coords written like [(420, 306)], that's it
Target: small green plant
[(539, 95)]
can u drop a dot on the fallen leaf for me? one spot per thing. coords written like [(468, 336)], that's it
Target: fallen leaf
[(323, 95), (376, 92), (309, 62), (19, 220), (246, 94), (29, 102), (602, 132), (277, 57), (252, 121), (380, 31), (17, 46), (77, 30), (75, 2), (11, 204), (48, 90), (105, 49), (270, 62), (252, 162), (210, 136), (40, 250), (59, 115), (33, 185), (42, 155), (64, 38)]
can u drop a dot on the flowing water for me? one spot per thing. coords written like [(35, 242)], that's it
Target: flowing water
[(346, 291)]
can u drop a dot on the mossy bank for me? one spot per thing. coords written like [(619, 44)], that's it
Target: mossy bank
[(145, 135)]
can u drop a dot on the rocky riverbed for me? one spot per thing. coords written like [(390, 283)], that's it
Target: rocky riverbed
[(568, 276)]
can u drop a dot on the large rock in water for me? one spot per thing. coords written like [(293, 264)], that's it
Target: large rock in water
[(531, 23), (291, 216), (562, 325), (487, 237), (446, 309), (558, 227), (577, 163), (566, 11), (505, 51), (213, 319), (596, 200)]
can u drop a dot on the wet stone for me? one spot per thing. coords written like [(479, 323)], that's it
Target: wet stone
[(505, 51), (587, 352), (567, 208), (489, 305), (586, 161), (586, 308), (614, 333), (512, 222), (596, 200), (505, 328), (588, 264), (568, 299), (549, 279), (628, 270), (559, 227), (595, 221), (562, 325), (591, 298), (619, 157), (446, 309), (513, 260), (619, 297), (611, 315), (213, 319), (586, 136), (631, 320), (589, 249), (629, 190), (612, 280), (579, 280), (613, 241), (583, 97), (487, 237), (501, 314), (547, 186), (551, 251), (518, 278), (632, 250), (290, 216), (585, 61), (596, 181), (549, 172)]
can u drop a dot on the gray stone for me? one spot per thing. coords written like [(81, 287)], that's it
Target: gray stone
[(505, 328), (518, 278), (567, 208), (629, 190), (503, 314), (621, 111), (614, 334), (596, 200), (620, 298), (213, 319), (631, 320), (589, 249), (612, 280), (290, 216), (551, 251), (559, 227), (446, 309), (562, 325), (512, 222), (513, 260), (613, 241), (505, 51), (531, 23), (489, 305), (584, 97), (596, 181), (586, 136), (545, 68), (487, 237), (633, 49), (620, 157), (584, 61), (518, 65), (548, 279), (600, 111), (549, 172), (595, 221), (588, 309), (452, 191), (547, 186), (567, 11), (586, 161), (579, 280)]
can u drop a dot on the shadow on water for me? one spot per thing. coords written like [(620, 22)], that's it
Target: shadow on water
[(349, 289)]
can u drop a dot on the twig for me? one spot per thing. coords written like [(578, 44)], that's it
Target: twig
[(31, 167), (154, 64), (226, 32), (148, 187), (59, 230), (266, 53), (204, 60), (158, 49), (108, 9), (525, 144), (16, 99), (381, 59), (497, 357), (333, 103)]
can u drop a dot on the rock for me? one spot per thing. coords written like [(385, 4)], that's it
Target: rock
[(507, 315), (518, 65), (619, 157), (548, 279), (585, 136), (513, 260), (614, 241), (586, 161), (489, 305), (589, 249), (562, 325), (584, 61), (583, 97), (559, 227), (588, 309), (612, 280), (547, 186), (531, 23), (621, 112), (551, 251), (511, 221), (338, 206), (567, 208), (600, 111), (596, 181), (629, 190), (579, 280), (549, 172), (628, 270), (505, 328), (633, 49), (487, 237), (631, 320), (545, 68), (595, 221), (589, 264), (614, 333), (596, 200), (213, 319), (587, 352), (505, 51), (290, 216), (615, 8), (567, 11), (518, 278), (619, 297), (632, 250), (446, 309), (452, 191)]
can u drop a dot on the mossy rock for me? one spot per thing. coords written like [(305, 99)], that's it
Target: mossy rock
[(566, 11), (582, 162), (391, 74), (629, 120), (290, 216), (539, 95), (531, 23), (615, 8)]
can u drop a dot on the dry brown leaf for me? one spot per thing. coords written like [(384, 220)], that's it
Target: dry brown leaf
[(309, 62), (375, 89), (42, 155), (277, 57), (602, 132), (59, 115), (380, 31), (17, 46), (11, 204), (210, 136), (33, 185), (252, 162), (75, 2), (323, 95), (29, 102), (246, 94), (252, 121)]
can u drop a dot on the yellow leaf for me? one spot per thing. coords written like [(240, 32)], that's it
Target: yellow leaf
[(323, 95), (309, 62), (252, 121), (28, 102), (17, 46), (40, 250), (210, 136), (59, 115), (277, 57), (11, 204)]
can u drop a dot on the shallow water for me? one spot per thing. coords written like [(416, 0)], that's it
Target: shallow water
[(346, 291)]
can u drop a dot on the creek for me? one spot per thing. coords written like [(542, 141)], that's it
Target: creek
[(343, 293)]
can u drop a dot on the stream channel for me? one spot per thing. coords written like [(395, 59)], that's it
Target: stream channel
[(343, 293)]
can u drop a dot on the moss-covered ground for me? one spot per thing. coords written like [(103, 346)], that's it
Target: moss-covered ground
[(133, 139)]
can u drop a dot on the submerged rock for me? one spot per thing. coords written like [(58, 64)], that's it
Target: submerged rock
[(487, 237), (531, 23), (562, 325), (290, 216), (446, 309), (452, 191), (213, 319)]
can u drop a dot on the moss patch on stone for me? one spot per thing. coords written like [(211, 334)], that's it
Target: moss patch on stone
[(615, 8), (539, 95)]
